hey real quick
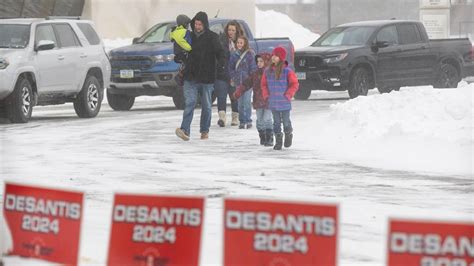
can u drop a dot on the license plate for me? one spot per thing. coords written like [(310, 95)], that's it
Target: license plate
[(126, 74), (301, 75)]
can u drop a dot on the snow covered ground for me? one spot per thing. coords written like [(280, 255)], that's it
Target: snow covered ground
[(406, 154), (344, 152)]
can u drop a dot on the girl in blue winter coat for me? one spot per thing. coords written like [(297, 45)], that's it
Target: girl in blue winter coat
[(242, 66), (279, 85)]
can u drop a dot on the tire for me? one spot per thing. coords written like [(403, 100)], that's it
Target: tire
[(178, 98), (120, 102), (448, 77), (89, 99), (303, 93), (19, 105), (359, 83), (386, 89)]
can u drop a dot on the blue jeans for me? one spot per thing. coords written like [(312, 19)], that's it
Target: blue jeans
[(278, 118), (223, 89), (245, 107), (191, 90), (264, 119)]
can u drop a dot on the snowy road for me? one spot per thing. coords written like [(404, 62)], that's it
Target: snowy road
[(137, 151)]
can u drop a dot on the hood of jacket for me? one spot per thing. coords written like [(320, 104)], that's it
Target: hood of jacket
[(201, 16)]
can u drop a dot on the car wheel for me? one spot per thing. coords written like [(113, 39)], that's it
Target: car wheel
[(178, 98), (388, 89), (20, 103), (89, 99), (448, 77), (359, 83), (120, 102), (303, 93)]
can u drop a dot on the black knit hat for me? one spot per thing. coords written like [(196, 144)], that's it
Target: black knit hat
[(182, 20)]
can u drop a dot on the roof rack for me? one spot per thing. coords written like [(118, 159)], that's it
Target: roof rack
[(63, 17)]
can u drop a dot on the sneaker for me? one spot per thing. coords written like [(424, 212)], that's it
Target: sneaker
[(204, 135), (181, 134), (241, 126), (248, 126)]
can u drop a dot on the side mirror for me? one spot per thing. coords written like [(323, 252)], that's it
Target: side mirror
[(382, 44), (135, 40), (45, 45)]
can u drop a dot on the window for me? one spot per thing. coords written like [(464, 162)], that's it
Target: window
[(45, 32), (409, 34), (14, 36), (388, 34), (159, 33), (341, 36), (66, 35), (217, 28), (90, 33)]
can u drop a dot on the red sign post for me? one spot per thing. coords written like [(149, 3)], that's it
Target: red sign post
[(44, 223), (279, 233), (155, 230), (430, 244)]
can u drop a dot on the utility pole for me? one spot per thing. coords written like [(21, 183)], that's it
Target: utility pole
[(329, 14)]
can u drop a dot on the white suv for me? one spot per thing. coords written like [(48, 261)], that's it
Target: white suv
[(51, 61)]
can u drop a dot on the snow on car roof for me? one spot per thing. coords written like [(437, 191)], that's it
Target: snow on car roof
[(20, 20)]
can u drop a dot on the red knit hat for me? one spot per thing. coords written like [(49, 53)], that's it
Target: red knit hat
[(280, 52)]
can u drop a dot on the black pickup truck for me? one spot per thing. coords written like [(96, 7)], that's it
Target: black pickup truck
[(385, 54)]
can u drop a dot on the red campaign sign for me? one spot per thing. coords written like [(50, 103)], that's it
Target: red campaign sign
[(155, 230), (44, 223), (279, 233), (430, 243)]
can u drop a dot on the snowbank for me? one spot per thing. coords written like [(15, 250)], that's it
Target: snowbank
[(274, 24), (416, 129)]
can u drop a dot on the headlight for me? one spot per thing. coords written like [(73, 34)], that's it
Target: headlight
[(3, 63), (164, 58), (334, 58)]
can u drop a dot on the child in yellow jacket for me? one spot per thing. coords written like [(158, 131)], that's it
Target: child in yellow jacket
[(181, 38)]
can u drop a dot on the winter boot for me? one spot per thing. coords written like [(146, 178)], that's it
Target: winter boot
[(278, 141), (268, 138), (235, 119), (263, 136), (181, 134), (288, 139), (221, 121)]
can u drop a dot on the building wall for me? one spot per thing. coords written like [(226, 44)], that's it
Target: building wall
[(131, 18)]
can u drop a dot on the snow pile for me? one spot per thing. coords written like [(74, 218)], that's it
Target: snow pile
[(110, 44), (417, 129), (274, 24)]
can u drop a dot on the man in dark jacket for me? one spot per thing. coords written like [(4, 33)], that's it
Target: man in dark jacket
[(207, 56)]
